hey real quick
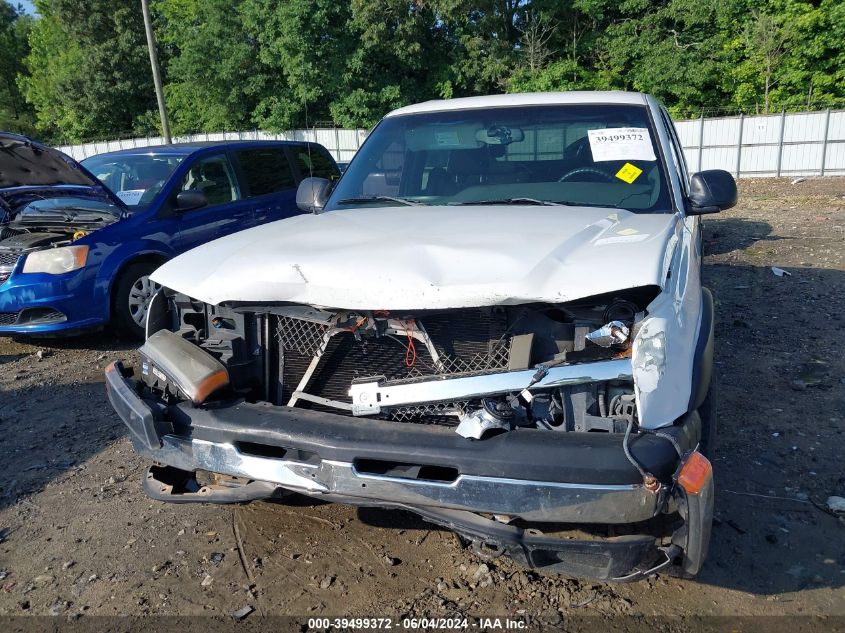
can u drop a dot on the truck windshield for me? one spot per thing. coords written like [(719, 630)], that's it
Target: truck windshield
[(586, 155)]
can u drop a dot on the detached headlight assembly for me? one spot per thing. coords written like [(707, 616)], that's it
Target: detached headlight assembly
[(648, 358), (55, 261)]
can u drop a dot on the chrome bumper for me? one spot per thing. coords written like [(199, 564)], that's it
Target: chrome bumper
[(369, 397), (530, 500)]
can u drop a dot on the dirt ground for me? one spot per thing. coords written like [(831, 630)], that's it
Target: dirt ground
[(78, 536)]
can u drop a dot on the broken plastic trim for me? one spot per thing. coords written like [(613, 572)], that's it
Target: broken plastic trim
[(613, 333), (491, 416), (648, 358)]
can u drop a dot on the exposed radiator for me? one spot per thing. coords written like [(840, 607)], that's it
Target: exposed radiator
[(467, 341)]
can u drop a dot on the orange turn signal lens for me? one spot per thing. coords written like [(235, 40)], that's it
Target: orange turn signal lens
[(209, 385), (695, 473)]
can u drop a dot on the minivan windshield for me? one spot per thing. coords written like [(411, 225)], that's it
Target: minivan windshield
[(134, 178), (584, 154)]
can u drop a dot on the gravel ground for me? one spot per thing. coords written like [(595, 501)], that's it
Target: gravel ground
[(78, 536)]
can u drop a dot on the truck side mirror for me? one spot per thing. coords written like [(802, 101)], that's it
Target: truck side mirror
[(312, 194), (711, 191)]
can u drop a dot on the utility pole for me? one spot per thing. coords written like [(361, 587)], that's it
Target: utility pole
[(151, 44)]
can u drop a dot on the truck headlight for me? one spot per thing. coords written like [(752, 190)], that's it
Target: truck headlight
[(55, 261), (648, 357)]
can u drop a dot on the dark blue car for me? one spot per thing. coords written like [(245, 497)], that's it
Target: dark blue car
[(78, 243)]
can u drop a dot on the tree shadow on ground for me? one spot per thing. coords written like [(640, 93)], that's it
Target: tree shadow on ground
[(729, 234)]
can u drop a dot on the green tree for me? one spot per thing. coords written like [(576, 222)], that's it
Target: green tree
[(764, 44), (560, 75), (15, 113), (215, 78), (304, 45), (244, 63), (89, 73), (556, 47), (392, 62), (814, 71), (787, 54), (670, 48), (484, 35)]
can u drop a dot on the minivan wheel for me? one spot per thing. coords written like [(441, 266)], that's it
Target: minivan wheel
[(132, 297)]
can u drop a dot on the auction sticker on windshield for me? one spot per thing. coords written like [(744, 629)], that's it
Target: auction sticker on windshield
[(131, 196), (629, 173), (621, 143)]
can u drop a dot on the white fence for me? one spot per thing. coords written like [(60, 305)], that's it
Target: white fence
[(341, 143), (795, 144)]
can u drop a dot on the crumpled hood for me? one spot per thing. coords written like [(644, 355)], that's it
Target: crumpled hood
[(428, 257), (30, 170)]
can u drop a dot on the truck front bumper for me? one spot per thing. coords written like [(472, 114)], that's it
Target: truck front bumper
[(535, 476)]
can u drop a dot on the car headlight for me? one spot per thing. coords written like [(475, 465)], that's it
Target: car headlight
[(648, 357), (55, 261)]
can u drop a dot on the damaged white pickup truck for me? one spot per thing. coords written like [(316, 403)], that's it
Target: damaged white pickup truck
[(494, 319)]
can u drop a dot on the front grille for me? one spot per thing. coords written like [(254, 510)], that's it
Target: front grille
[(41, 316), (300, 336), (31, 316), (9, 258), (467, 341), (430, 413)]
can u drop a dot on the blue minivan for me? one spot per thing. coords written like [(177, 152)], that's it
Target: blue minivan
[(78, 242)]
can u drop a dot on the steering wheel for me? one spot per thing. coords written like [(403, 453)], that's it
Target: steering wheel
[(586, 170), (151, 192), (523, 171)]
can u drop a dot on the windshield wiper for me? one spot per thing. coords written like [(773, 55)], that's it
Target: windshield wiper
[(44, 216), (85, 211), (362, 199), (591, 204), (545, 203), (65, 214)]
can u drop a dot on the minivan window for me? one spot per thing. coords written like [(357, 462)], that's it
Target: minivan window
[(265, 171), (214, 177), (314, 162), (602, 155)]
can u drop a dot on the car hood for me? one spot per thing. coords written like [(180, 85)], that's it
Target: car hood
[(29, 169), (428, 257)]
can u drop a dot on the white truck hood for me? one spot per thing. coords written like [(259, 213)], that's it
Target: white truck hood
[(425, 257)]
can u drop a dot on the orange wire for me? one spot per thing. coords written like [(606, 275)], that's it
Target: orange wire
[(411, 351)]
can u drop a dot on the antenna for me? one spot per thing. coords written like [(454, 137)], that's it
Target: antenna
[(307, 144)]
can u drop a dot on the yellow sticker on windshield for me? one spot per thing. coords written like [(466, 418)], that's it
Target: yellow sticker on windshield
[(629, 173)]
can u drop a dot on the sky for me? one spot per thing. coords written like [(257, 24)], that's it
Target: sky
[(27, 5)]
